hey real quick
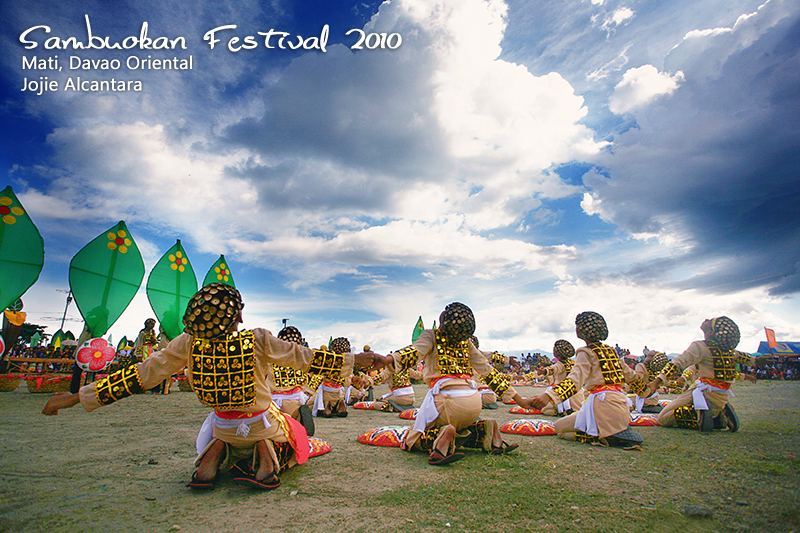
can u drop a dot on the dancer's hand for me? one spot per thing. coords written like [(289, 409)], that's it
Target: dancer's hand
[(652, 387), (62, 400), (540, 401), (525, 403)]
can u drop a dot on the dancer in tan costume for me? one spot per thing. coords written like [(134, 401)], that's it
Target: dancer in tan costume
[(228, 370), (448, 416), (705, 405), (605, 414), (558, 372)]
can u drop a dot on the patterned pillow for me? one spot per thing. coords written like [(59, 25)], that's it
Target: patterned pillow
[(532, 427), (644, 420), (384, 436), (409, 414), (363, 405), (522, 411), (317, 447)]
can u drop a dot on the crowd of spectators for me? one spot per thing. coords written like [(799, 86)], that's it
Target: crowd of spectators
[(532, 361), (39, 352), (786, 369)]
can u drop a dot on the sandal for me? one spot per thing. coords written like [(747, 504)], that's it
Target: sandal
[(196, 484), (504, 448), (441, 460), (248, 479)]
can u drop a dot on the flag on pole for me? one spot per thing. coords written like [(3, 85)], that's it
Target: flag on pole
[(771, 342), (418, 329), (220, 272), (170, 286)]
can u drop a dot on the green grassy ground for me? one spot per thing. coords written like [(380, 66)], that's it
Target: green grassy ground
[(125, 467)]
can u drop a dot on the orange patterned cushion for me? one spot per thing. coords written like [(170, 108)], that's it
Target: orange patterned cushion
[(644, 420), (522, 411), (317, 447), (363, 405), (409, 414), (384, 436), (532, 427)]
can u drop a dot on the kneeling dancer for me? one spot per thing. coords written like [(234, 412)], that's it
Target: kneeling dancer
[(563, 352), (246, 432), (448, 416), (705, 404), (604, 415)]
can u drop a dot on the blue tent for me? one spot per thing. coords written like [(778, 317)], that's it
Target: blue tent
[(784, 349)]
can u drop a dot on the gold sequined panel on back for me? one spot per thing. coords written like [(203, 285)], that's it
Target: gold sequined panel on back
[(286, 377), (223, 370), (452, 357), (724, 363), (609, 363)]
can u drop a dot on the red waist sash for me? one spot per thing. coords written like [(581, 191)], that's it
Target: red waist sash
[(458, 376), (601, 388), (235, 415), (714, 383)]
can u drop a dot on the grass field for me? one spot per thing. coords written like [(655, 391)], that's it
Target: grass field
[(126, 466)]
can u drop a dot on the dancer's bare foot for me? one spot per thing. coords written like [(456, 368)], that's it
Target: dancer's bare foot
[(209, 464)]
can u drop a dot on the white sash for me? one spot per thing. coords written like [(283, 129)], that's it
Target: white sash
[(427, 412), (640, 401), (242, 426), (699, 399), (400, 391), (280, 397), (319, 402), (585, 421)]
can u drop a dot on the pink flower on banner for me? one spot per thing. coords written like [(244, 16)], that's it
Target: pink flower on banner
[(95, 355)]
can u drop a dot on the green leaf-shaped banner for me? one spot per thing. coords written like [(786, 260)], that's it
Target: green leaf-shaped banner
[(123, 344), (57, 339), (170, 286), (104, 277), (220, 272), (21, 249), (418, 329)]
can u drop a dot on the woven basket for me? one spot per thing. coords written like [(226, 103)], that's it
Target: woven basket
[(50, 383), (184, 385), (8, 384)]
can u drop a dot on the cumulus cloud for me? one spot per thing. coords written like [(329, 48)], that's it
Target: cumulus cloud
[(695, 168), (641, 85)]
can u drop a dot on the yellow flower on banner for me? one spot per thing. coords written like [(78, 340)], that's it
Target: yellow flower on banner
[(223, 274), (119, 240), (178, 262), (7, 213)]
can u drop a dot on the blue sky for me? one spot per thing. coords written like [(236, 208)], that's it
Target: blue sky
[(532, 159)]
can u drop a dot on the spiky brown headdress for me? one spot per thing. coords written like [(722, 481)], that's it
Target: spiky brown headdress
[(591, 326), (458, 322), (563, 350), (212, 310), (340, 345)]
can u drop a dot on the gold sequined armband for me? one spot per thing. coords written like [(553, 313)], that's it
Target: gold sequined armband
[(499, 361), (496, 382), (328, 365), (119, 385), (637, 387), (408, 357), (565, 389), (671, 370)]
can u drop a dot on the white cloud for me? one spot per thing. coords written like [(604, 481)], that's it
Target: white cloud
[(703, 53), (640, 86)]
